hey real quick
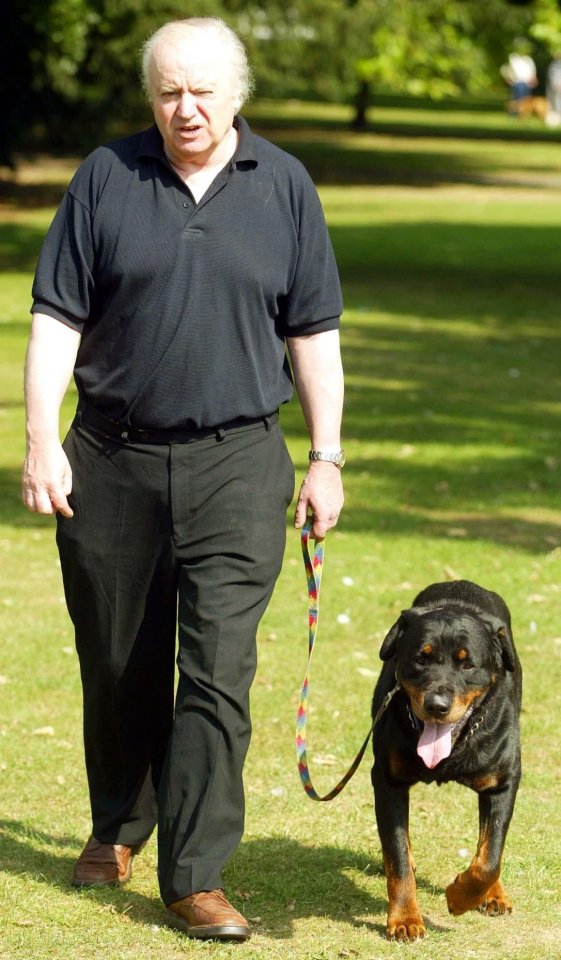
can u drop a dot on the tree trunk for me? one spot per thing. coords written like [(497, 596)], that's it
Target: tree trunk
[(361, 103)]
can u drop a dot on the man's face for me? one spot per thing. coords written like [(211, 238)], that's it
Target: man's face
[(194, 99)]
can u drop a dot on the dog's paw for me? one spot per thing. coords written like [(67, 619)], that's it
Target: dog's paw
[(406, 929), (470, 893), (464, 894), (496, 902)]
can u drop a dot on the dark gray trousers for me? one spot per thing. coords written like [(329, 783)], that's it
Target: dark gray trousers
[(172, 539)]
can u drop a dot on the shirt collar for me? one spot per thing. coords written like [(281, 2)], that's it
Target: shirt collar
[(151, 144), (246, 151)]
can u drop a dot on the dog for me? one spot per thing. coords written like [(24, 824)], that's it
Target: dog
[(449, 695), (529, 107)]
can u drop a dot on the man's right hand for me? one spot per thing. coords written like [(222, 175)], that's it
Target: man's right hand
[(47, 479)]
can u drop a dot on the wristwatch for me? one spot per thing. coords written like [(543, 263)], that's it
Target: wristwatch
[(331, 456)]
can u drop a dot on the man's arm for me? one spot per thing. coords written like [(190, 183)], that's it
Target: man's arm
[(318, 375), (51, 354)]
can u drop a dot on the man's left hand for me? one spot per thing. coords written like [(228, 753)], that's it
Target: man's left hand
[(321, 496)]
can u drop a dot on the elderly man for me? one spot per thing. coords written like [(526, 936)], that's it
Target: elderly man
[(180, 265)]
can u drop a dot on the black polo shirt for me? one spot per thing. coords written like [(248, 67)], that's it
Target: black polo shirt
[(184, 307)]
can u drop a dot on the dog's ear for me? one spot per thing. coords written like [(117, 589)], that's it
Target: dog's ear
[(387, 650), (389, 646), (501, 636)]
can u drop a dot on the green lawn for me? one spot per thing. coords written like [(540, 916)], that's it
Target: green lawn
[(445, 224)]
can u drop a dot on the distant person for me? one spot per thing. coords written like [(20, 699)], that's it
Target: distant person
[(521, 75), (184, 263), (553, 91)]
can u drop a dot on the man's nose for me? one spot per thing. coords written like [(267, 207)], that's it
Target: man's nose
[(187, 106)]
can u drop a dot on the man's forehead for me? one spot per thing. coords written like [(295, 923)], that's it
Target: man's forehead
[(205, 59)]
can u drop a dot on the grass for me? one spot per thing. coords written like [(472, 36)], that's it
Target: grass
[(447, 249)]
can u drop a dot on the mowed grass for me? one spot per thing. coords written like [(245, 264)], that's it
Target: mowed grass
[(449, 258)]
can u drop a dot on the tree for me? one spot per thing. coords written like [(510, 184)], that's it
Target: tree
[(44, 44), (70, 67), (546, 27), (437, 48), (345, 49)]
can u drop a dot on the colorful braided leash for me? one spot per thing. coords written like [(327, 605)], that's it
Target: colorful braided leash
[(313, 562)]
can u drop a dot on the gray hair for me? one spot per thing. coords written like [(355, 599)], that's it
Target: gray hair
[(221, 32)]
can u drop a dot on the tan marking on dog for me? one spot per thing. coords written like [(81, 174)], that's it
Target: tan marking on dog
[(399, 767), (466, 699), (488, 781), (405, 921)]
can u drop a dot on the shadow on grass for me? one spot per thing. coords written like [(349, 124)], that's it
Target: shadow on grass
[(353, 163), (287, 880), (333, 154)]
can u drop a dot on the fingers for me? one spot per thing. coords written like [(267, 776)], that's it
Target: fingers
[(301, 513), (321, 496), (62, 506), (37, 501), (47, 481), (45, 503)]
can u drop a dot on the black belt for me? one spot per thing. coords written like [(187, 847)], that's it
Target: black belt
[(88, 416)]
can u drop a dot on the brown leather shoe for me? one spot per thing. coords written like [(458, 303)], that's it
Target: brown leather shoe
[(103, 864), (208, 916)]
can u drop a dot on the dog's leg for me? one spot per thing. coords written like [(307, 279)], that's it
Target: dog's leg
[(392, 815), (479, 886)]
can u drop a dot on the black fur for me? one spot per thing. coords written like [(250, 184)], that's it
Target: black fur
[(453, 649)]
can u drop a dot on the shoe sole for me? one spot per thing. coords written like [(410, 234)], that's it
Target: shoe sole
[(218, 932), (79, 884), (102, 883)]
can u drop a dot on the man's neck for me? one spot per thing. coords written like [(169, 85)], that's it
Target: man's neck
[(207, 166)]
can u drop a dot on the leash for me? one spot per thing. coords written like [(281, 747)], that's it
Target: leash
[(313, 563)]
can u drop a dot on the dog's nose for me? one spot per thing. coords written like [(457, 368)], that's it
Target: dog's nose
[(438, 704)]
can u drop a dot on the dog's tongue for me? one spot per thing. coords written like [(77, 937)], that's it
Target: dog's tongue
[(435, 743)]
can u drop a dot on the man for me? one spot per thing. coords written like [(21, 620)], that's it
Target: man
[(181, 263)]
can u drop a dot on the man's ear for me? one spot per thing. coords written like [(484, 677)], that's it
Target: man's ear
[(501, 636)]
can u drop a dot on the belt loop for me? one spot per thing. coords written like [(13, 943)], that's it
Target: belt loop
[(267, 422), (219, 434)]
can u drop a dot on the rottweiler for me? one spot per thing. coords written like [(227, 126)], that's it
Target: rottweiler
[(456, 680)]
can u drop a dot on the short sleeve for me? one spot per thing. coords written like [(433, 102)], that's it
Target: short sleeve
[(63, 285)]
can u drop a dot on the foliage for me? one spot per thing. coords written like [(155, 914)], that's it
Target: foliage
[(307, 48), (546, 27), (72, 65), (426, 49), (45, 42)]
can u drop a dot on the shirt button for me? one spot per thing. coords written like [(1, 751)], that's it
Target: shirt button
[(186, 203)]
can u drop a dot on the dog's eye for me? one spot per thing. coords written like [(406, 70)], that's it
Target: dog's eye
[(463, 659)]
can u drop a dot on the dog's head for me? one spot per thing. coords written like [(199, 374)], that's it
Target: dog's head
[(447, 657)]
